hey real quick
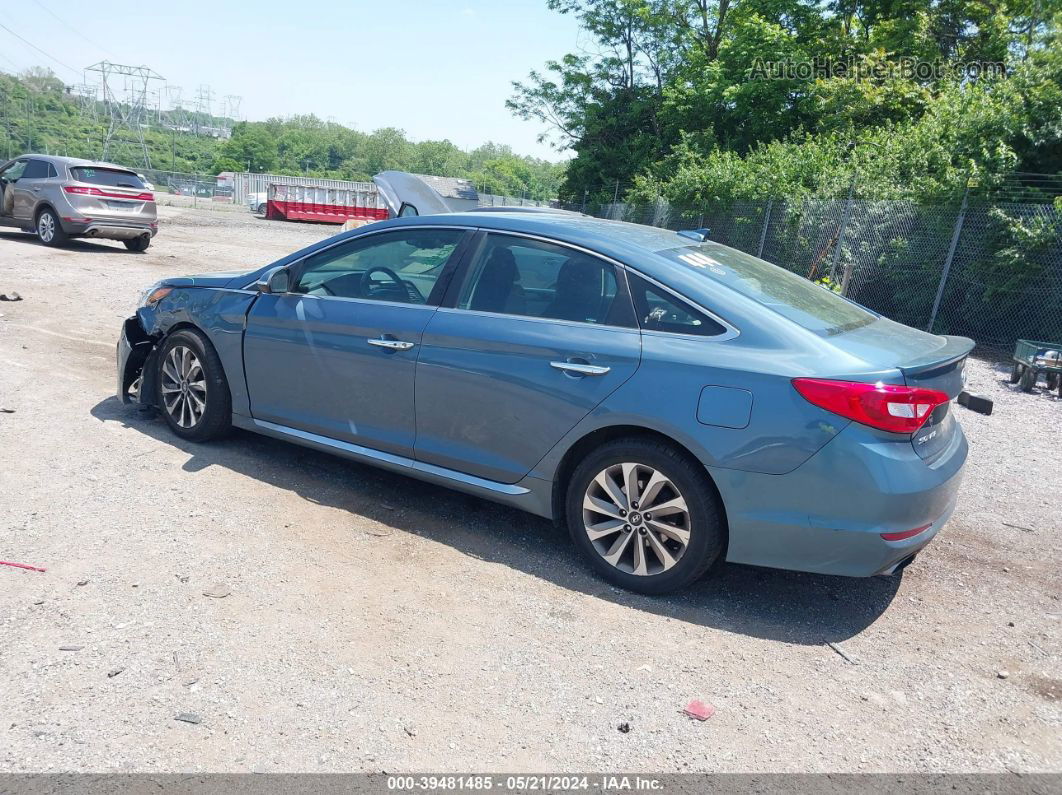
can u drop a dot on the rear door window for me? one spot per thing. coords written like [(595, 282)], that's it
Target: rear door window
[(35, 169), (521, 276), (110, 177)]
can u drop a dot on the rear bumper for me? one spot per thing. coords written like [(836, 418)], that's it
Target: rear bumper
[(108, 230), (827, 516)]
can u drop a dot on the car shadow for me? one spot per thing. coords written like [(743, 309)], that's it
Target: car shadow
[(77, 244), (792, 607)]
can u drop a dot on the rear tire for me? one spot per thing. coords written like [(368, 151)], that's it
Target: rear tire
[(1028, 379), (1053, 380), (193, 394), (622, 538), (48, 228), (1015, 373), (138, 243)]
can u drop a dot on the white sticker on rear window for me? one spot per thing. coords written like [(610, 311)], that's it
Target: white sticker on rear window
[(699, 260)]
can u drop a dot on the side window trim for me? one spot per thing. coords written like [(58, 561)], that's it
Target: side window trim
[(731, 330), (463, 273), (298, 267)]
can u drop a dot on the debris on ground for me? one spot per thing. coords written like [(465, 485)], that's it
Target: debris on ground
[(82, 582), (10, 297), (19, 565), (188, 717), (1019, 527), (624, 728), (699, 710), (114, 673), (842, 652), (6, 410), (71, 648), (217, 591), (1003, 674)]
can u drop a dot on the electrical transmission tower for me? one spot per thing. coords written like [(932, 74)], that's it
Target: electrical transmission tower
[(128, 112), (204, 107), (87, 96)]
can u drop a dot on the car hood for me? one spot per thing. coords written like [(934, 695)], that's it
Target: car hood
[(205, 279)]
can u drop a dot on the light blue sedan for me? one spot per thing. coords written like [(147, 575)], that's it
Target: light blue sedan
[(673, 401)]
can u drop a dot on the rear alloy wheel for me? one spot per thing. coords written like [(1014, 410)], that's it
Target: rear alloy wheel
[(49, 230), (138, 243), (1028, 379), (644, 516), (192, 391)]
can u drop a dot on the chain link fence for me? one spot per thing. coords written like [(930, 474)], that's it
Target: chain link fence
[(987, 270)]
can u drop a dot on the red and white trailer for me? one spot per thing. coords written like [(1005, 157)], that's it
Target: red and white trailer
[(325, 204)]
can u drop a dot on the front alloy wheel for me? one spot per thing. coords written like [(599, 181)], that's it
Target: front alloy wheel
[(183, 387), (191, 389), (636, 519)]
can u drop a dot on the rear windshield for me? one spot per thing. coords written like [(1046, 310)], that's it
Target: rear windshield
[(111, 177), (808, 304)]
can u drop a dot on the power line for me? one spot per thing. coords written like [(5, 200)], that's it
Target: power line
[(38, 49), (71, 27)]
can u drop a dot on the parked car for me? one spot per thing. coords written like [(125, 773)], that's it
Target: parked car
[(256, 202), (672, 401), (59, 198)]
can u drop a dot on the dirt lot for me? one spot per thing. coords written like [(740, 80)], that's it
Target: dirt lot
[(376, 623)]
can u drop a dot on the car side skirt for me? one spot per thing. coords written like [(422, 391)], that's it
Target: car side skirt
[(530, 494)]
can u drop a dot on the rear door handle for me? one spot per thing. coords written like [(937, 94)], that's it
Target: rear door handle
[(580, 369), (391, 345)]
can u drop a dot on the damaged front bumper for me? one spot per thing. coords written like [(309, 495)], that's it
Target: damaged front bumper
[(136, 354)]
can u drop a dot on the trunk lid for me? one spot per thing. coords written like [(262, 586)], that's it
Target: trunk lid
[(924, 360)]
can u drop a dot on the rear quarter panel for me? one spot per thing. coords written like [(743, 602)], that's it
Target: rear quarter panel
[(665, 395)]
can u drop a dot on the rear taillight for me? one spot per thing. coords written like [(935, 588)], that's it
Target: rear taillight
[(890, 407), (85, 190), (82, 190)]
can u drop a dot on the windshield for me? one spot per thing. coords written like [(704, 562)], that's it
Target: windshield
[(112, 178), (808, 304)]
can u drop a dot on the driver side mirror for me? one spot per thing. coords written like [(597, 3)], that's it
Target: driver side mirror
[(277, 280)]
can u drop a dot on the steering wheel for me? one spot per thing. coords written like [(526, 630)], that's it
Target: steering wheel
[(406, 288)]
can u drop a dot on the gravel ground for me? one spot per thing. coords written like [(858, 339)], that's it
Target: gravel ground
[(372, 622)]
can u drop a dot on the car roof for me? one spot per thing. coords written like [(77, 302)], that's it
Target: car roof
[(73, 161), (618, 239)]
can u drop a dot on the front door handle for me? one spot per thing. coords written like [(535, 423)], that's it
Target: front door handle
[(391, 345), (580, 369)]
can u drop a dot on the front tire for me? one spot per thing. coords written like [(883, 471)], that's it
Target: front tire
[(645, 516), (193, 393), (49, 230), (138, 243)]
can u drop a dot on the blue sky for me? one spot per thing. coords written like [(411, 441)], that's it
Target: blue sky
[(434, 69)]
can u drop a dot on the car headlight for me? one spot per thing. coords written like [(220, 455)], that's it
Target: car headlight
[(152, 295)]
